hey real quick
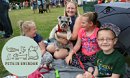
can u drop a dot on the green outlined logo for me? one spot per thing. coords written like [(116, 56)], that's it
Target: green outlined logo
[(21, 56)]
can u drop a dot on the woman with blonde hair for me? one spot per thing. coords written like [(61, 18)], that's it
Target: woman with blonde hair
[(71, 10)]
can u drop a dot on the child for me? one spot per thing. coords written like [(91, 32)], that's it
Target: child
[(109, 62), (28, 28), (87, 39)]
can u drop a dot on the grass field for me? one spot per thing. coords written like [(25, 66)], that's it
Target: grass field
[(45, 22)]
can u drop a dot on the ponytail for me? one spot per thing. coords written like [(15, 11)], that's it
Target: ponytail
[(20, 24)]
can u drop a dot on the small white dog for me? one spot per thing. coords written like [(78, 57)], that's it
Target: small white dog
[(63, 27)]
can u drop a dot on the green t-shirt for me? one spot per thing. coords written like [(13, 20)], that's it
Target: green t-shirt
[(110, 63)]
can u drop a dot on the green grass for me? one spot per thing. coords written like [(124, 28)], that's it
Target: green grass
[(45, 22)]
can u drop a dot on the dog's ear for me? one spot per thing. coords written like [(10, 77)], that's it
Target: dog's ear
[(59, 18), (69, 19)]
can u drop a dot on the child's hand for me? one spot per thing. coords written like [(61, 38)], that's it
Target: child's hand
[(87, 75), (68, 59), (90, 69)]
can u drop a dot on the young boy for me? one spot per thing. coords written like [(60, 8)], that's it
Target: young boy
[(109, 62)]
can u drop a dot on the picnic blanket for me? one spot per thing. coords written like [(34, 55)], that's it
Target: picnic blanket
[(65, 71)]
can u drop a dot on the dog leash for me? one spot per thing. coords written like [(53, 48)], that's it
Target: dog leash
[(80, 63)]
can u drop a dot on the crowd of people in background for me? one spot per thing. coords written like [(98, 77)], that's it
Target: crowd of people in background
[(19, 5), (25, 4), (55, 3)]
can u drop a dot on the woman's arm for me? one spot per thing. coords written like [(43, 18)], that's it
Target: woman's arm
[(76, 28), (61, 40), (77, 45)]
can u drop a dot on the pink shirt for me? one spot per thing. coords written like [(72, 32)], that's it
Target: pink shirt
[(88, 43)]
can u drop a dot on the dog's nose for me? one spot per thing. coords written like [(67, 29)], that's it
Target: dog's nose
[(64, 25)]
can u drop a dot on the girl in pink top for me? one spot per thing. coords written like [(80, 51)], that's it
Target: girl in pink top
[(86, 41)]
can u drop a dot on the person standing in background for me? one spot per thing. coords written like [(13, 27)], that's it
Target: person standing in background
[(34, 5), (4, 18)]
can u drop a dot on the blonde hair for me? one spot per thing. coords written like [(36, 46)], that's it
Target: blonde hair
[(92, 16), (76, 6), (25, 26)]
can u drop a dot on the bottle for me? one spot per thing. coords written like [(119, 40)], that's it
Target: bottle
[(57, 74)]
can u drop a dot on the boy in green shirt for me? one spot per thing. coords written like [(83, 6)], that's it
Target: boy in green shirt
[(109, 63)]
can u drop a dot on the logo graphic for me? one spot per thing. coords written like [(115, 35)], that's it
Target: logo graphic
[(21, 56)]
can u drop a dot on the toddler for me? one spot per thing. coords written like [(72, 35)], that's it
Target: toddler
[(28, 28)]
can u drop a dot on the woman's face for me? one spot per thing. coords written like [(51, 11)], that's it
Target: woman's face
[(70, 9)]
